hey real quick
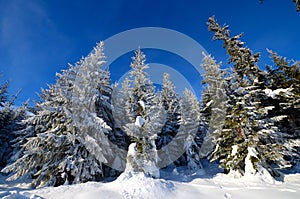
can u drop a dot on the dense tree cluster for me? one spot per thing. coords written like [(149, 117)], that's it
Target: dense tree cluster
[(10, 123), (83, 126), (261, 110)]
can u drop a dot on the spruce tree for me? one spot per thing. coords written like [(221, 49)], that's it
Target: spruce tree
[(214, 102), (10, 122), (146, 117), (3, 94), (284, 94), (190, 121), (91, 108), (56, 152), (171, 104), (5, 119), (247, 127)]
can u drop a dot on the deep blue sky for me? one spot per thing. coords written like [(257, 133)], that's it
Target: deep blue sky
[(38, 38)]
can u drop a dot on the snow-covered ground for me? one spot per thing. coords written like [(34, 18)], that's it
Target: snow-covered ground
[(173, 185)]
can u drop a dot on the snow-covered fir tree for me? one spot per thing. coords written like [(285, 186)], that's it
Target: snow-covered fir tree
[(91, 108), (120, 97), (3, 94), (190, 121), (116, 135), (284, 95), (10, 122), (55, 153), (214, 102), (252, 128), (145, 115), (5, 118), (171, 104), (247, 125)]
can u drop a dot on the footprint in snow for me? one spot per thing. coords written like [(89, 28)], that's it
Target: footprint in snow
[(126, 195), (227, 195)]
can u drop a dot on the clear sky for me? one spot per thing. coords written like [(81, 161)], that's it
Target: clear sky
[(39, 38)]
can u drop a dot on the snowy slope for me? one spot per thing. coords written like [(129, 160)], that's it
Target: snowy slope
[(139, 186)]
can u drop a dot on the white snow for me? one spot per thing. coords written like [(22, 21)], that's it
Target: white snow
[(209, 103), (132, 153), (234, 150), (268, 108), (139, 121), (251, 173), (274, 93), (219, 186), (131, 149), (279, 118), (142, 104), (249, 169), (148, 166)]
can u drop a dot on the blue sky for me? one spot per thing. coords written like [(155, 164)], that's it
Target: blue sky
[(39, 38)]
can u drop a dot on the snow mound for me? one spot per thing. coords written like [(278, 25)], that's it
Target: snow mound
[(251, 174), (126, 186), (140, 186)]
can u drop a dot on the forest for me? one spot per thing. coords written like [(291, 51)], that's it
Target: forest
[(84, 128)]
